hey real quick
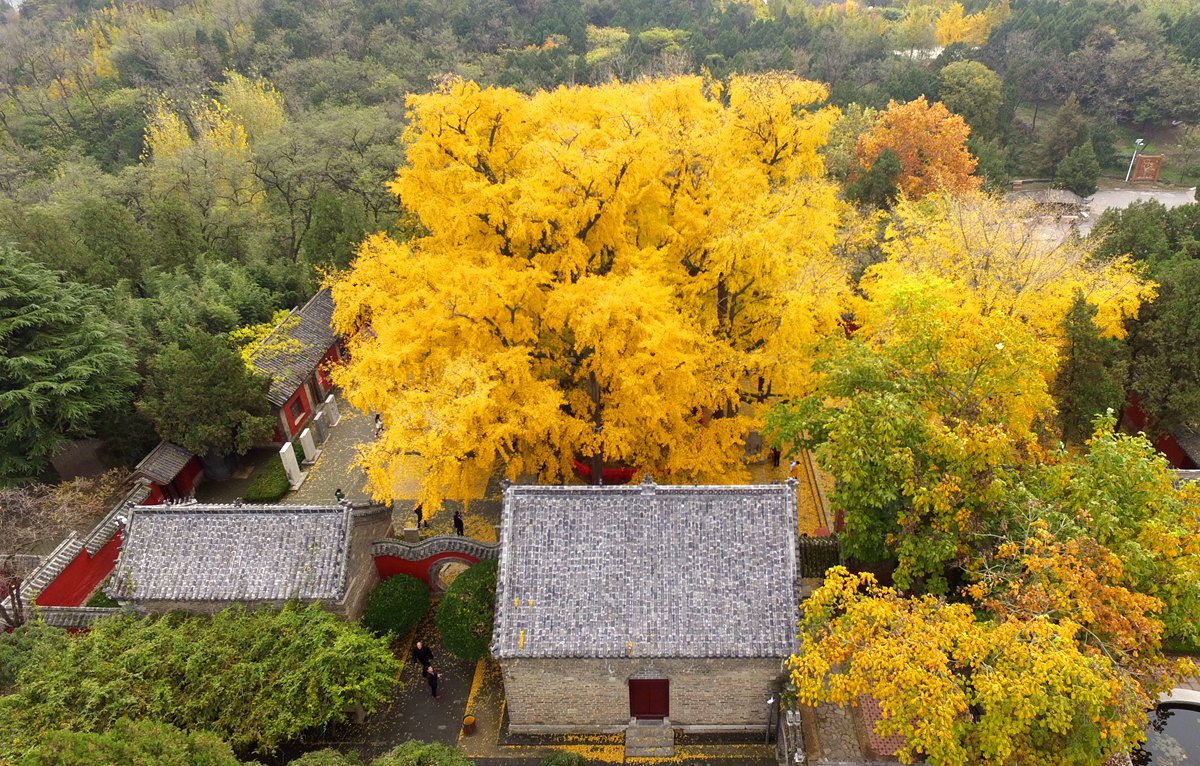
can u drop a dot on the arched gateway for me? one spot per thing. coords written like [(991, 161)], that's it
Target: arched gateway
[(434, 561)]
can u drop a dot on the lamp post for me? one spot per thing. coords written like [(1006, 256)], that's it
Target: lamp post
[(1137, 147)]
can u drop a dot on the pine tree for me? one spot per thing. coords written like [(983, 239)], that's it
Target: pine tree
[(1090, 374), (1079, 171), (62, 364)]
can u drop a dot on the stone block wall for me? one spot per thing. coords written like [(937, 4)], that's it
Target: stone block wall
[(587, 695), (367, 526)]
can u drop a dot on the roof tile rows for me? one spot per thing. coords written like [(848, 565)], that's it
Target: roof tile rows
[(164, 462), (658, 571), (292, 351), (1189, 442), (229, 553)]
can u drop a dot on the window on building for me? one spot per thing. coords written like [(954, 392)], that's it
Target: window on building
[(296, 408)]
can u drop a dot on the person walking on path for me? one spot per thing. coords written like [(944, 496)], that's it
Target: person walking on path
[(339, 494), (431, 678), (458, 523), (420, 514), (422, 655), (378, 425)]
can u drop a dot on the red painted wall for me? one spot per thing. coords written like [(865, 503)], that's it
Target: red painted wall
[(332, 357), (82, 575), (185, 481), (618, 475), (306, 407), (390, 566), (1136, 420)]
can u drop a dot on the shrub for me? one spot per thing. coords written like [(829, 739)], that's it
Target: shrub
[(464, 615), (565, 759), (29, 644), (417, 753), (131, 743), (100, 598), (395, 606), (256, 679), (271, 482), (326, 758)]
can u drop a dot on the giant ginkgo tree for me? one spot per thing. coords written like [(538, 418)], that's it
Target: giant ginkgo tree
[(609, 274)]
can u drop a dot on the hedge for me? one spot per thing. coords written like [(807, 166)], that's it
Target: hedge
[(465, 614), (395, 606), (271, 482)]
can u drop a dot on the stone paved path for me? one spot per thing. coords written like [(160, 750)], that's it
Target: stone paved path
[(835, 734), (335, 467)]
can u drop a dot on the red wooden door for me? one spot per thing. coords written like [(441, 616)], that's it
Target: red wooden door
[(649, 698)]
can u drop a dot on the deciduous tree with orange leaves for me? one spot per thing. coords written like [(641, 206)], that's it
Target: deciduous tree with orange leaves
[(966, 690), (612, 273), (929, 141)]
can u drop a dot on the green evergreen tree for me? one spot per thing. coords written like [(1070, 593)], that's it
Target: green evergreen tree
[(1079, 171), (202, 397), (877, 186), (1067, 130), (1090, 376), (1165, 345), (62, 364)]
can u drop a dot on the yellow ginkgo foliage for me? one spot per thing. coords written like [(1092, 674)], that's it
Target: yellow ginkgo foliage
[(954, 25), (997, 255), (610, 273), (962, 691)]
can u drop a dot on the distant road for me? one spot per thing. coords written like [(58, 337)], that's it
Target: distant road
[(1103, 200)]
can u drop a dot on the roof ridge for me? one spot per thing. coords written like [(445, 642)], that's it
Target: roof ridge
[(248, 508)]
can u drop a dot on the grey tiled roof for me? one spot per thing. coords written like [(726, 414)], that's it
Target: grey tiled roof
[(1189, 441), (164, 462), (649, 571), (1185, 477), (228, 553), (294, 348)]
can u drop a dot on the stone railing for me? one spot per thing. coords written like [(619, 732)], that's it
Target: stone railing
[(432, 546)]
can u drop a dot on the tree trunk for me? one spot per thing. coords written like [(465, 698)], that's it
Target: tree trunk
[(593, 389)]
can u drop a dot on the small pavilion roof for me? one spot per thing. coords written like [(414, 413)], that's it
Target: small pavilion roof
[(164, 462)]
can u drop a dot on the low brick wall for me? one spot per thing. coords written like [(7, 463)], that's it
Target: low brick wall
[(578, 695)]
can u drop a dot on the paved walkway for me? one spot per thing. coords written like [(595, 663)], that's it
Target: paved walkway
[(1122, 198), (335, 467), (411, 712)]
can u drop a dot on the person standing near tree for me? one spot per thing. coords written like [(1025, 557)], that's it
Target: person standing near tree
[(419, 512), (458, 523)]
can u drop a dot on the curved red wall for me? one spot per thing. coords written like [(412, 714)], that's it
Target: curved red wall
[(390, 566)]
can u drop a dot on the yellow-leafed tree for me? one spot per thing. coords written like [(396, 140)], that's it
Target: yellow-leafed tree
[(962, 691), (611, 273), (930, 143), (990, 250)]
